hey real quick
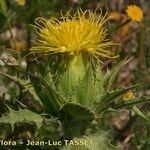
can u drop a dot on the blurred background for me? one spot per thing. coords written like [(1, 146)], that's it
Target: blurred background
[(17, 33)]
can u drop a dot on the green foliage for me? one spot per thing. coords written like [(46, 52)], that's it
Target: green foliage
[(109, 98), (112, 74), (76, 111), (87, 86), (80, 89), (49, 96), (22, 116)]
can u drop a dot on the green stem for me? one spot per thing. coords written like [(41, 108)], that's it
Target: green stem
[(119, 26)]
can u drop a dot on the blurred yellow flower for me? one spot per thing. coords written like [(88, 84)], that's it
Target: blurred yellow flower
[(129, 95), (135, 13), (17, 45), (114, 15), (20, 2), (82, 32)]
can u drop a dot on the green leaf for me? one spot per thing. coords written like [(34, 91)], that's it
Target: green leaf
[(50, 97), (127, 104), (111, 75), (48, 76), (23, 115), (99, 82), (108, 99), (78, 112), (114, 94), (140, 113)]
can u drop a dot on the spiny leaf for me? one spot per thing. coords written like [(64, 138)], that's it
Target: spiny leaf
[(108, 99), (26, 84), (112, 95), (76, 111), (50, 97), (141, 114), (23, 115), (56, 97), (48, 76), (128, 104), (99, 82), (111, 75)]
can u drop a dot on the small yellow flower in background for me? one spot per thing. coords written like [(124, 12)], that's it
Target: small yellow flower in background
[(17, 45), (129, 95), (82, 32), (20, 2), (114, 15), (135, 13)]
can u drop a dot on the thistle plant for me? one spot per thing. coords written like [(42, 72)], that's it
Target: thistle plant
[(66, 76)]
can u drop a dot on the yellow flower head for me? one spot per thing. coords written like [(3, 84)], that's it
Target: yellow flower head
[(20, 2), (135, 13), (82, 32), (129, 95)]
